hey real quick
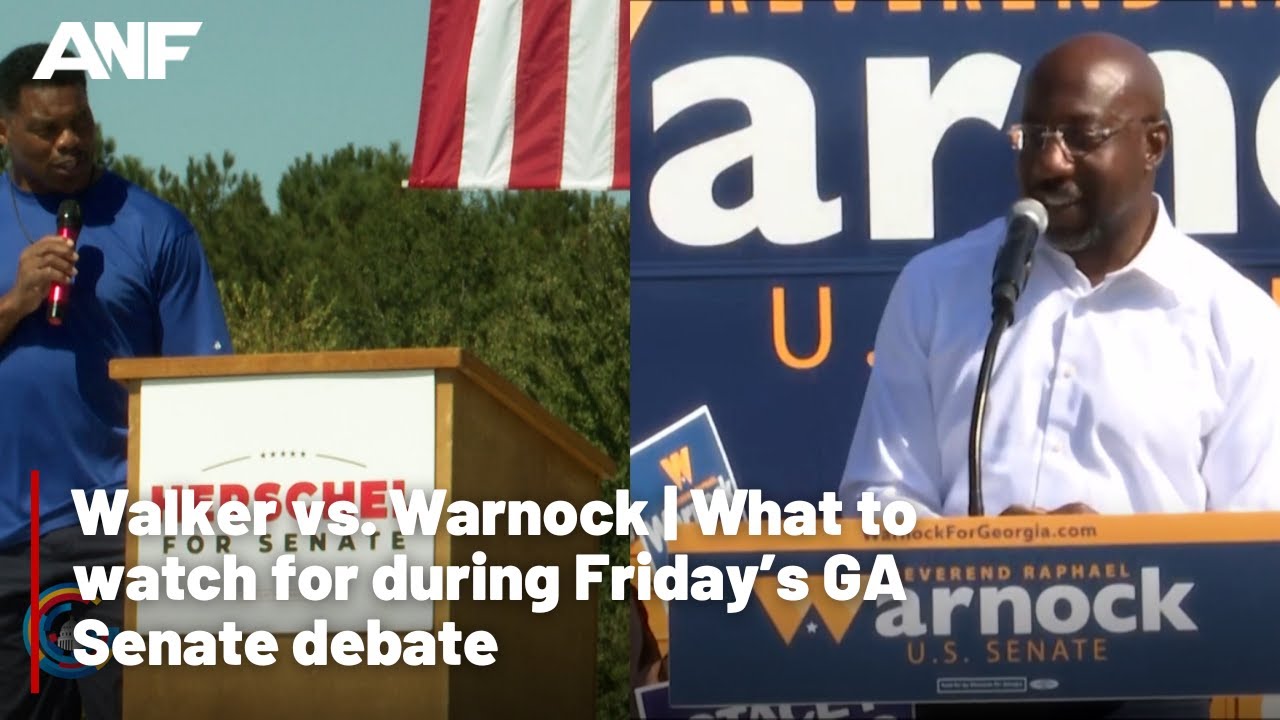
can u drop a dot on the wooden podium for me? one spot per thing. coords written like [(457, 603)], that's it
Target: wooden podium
[(347, 425)]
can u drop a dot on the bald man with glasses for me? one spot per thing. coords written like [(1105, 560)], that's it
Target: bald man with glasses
[(1140, 374)]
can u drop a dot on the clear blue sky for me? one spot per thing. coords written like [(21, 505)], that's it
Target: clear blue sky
[(269, 80)]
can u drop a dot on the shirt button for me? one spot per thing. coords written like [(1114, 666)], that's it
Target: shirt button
[(1055, 447), (1068, 371)]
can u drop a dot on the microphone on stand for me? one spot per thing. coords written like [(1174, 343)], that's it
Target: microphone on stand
[(69, 224), (1027, 221)]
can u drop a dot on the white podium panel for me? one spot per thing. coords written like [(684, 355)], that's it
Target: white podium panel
[(310, 437)]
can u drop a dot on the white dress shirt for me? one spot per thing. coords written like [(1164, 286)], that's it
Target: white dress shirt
[(1156, 391)]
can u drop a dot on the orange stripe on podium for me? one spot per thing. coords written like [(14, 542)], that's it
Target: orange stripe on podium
[(1003, 532)]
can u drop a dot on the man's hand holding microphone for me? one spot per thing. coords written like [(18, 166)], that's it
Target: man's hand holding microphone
[(45, 270)]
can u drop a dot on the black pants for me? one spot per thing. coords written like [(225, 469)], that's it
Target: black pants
[(1115, 710), (97, 694)]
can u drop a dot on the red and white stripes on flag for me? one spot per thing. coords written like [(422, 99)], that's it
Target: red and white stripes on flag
[(526, 94)]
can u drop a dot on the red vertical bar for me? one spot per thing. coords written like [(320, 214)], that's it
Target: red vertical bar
[(622, 117), (35, 582)]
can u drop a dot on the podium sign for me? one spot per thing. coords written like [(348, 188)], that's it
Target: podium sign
[(1044, 608), (322, 437)]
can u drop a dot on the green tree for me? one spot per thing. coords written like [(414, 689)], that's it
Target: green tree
[(288, 316)]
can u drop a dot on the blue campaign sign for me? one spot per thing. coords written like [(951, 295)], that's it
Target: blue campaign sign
[(788, 158), (653, 703), (1162, 607), (687, 455)]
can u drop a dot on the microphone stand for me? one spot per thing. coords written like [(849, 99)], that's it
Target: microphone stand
[(1027, 221), (1001, 319)]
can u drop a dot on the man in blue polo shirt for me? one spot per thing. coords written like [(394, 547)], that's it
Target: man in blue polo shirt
[(140, 286)]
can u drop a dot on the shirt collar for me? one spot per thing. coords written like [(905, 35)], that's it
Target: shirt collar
[(1159, 260)]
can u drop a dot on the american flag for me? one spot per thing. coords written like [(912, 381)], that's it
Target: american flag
[(525, 94)]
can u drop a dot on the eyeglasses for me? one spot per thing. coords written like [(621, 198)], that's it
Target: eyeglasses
[(1077, 140)]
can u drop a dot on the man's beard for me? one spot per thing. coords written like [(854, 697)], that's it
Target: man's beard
[(1074, 242)]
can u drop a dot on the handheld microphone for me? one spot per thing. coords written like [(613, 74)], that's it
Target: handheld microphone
[(1027, 222), (69, 224)]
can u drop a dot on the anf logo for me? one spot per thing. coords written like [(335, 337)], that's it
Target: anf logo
[(53, 639), (816, 609), (147, 43)]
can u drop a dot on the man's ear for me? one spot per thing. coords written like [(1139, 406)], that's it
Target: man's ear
[(4, 130), (1157, 143)]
